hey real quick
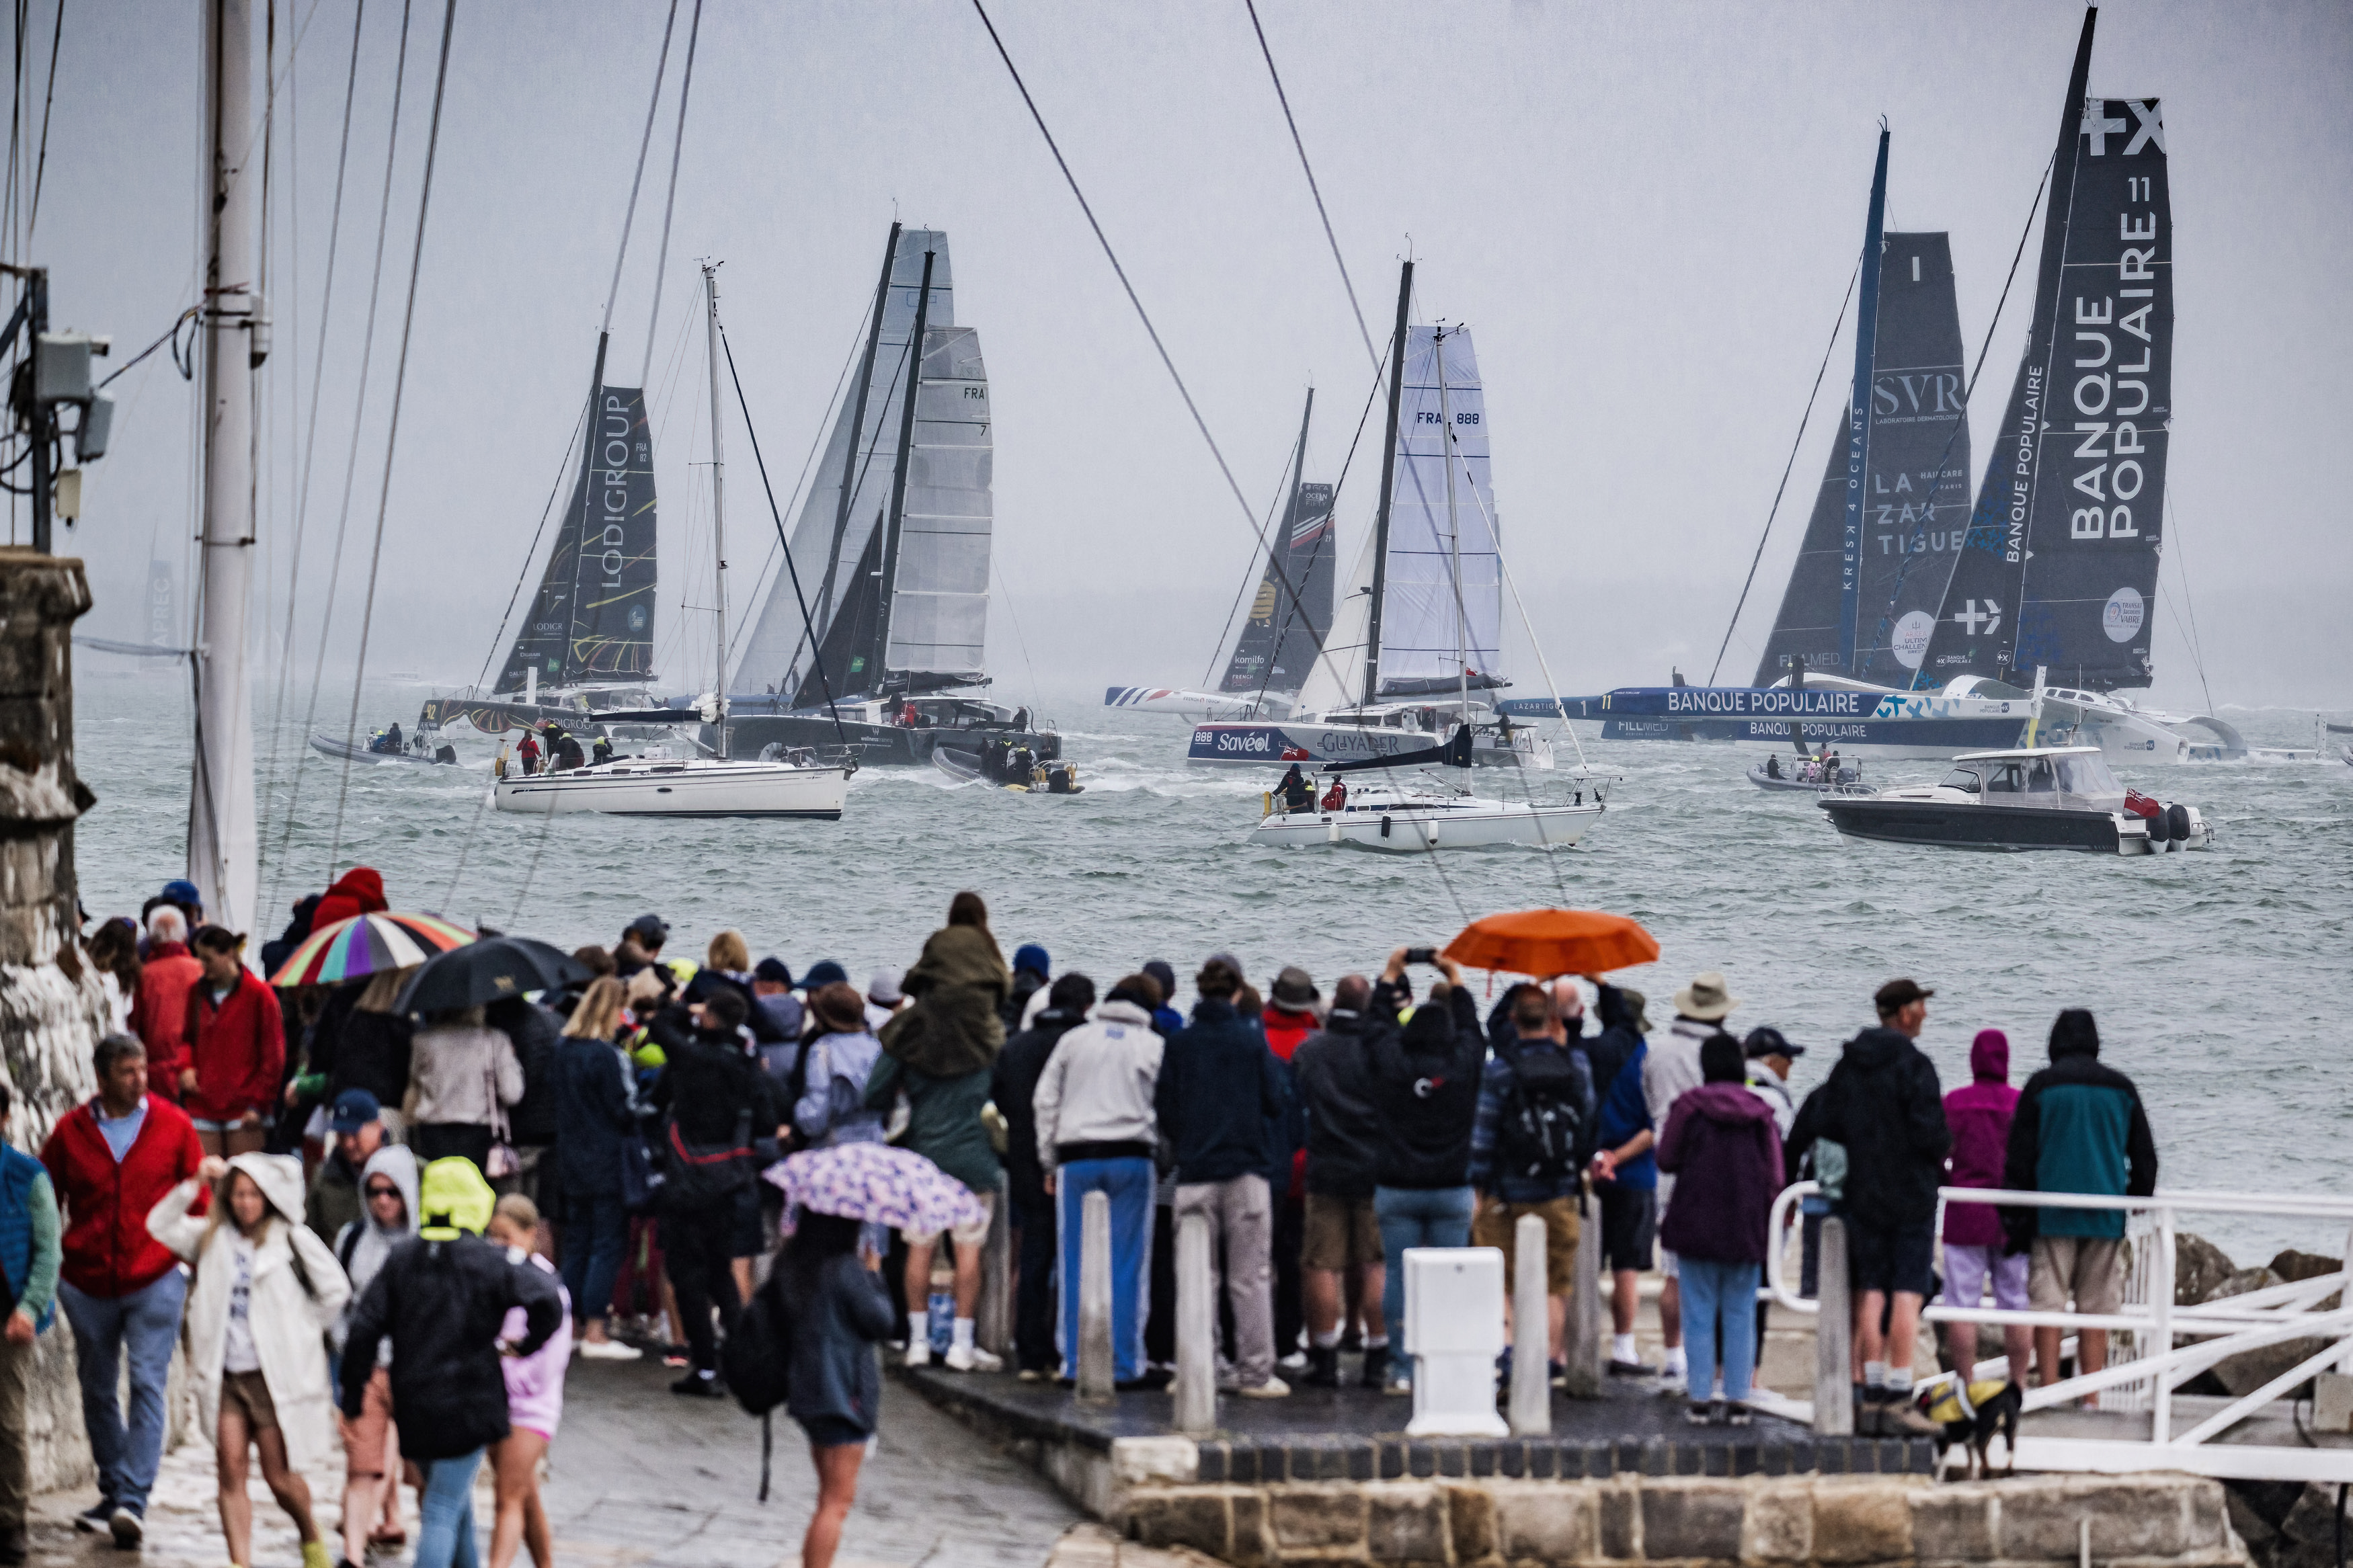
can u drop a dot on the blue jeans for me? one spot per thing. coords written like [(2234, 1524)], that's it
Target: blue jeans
[(596, 1237), (1129, 1183), (1416, 1216), (1722, 1293), (146, 1324), (444, 1533)]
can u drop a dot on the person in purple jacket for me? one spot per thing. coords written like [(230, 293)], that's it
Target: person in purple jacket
[(1721, 1146), (1980, 1117)]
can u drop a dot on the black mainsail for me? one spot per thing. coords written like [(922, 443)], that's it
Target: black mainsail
[(592, 619), (2062, 554), (1284, 633)]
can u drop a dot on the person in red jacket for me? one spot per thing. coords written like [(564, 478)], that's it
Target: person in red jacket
[(235, 1039), (159, 1012), (112, 1161), (358, 891)]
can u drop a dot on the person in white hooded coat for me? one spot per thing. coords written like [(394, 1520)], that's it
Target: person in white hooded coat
[(266, 1289), (372, 1467)]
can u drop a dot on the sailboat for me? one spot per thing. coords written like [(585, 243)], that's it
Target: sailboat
[(718, 786), (1432, 812), (893, 546), (1289, 615), (1414, 647)]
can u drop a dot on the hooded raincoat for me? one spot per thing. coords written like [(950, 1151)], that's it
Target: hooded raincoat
[(959, 984), (1882, 1103), (363, 1246), (295, 1290), (1980, 1116), (1725, 1151)]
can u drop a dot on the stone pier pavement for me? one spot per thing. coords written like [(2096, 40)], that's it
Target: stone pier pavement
[(641, 1477)]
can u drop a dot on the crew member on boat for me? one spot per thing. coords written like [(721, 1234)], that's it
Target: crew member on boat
[(1337, 795), (563, 752), (1296, 792), (527, 752)]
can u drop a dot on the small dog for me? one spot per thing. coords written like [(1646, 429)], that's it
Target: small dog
[(1972, 1414)]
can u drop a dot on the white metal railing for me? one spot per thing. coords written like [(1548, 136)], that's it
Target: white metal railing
[(2158, 1363)]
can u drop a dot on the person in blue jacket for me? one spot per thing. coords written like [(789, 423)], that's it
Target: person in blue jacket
[(1626, 1175)]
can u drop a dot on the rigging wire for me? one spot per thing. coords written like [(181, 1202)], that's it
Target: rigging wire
[(678, 145), (41, 165), (2196, 644), (1219, 647), (352, 463), (392, 432), (563, 468), (630, 216), (1313, 188), (1775, 511)]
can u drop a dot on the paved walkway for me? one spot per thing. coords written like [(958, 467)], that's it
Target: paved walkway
[(639, 1476)]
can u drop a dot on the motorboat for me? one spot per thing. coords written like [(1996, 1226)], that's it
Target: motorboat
[(994, 766), (668, 786), (2051, 797), (417, 748), (1411, 817), (1806, 775)]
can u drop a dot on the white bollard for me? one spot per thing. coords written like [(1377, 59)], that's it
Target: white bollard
[(1097, 1366), (1833, 1337), (1454, 1330), (1531, 1331), (1197, 1328), (993, 1326)]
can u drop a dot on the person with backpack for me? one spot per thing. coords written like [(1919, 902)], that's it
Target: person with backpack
[(371, 1445), (1530, 1139), (266, 1289)]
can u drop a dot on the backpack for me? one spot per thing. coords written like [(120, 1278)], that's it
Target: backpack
[(757, 1362), (1543, 1123)]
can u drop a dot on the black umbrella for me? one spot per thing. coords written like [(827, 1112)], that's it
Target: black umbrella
[(488, 971)]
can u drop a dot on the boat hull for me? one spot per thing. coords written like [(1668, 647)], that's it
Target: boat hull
[(1948, 825), (1248, 744), (328, 746), (1411, 829), (1902, 738), (875, 745), (637, 788)]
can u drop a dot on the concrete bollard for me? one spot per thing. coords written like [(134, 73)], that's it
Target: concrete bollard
[(993, 1315), (1531, 1404), (1833, 1337), (1197, 1328), (1097, 1368), (1586, 1342)]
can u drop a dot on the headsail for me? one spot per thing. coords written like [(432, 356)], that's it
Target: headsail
[(939, 606), (1279, 642), (593, 617), (1421, 603)]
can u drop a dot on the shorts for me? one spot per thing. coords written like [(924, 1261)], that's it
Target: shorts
[(367, 1438), (1891, 1258), (963, 1236), (1630, 1226), (1966, 1268), (743, 1237), (1339, 1233), (836, 1431), (2088, 1267), (248, 1394), (1496, 1225)]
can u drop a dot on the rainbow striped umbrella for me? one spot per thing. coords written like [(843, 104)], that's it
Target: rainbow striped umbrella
[(368, 945)]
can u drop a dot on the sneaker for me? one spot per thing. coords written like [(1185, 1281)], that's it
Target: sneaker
[(314, 1554), (1901, 1418), (1033, 1375), (93, 1520), (1632, 1369), (677, 1355), (1323, 1369), (919, 1353), (129, 1527), (1704, 1414), (1740, 1415), (1399, 1385), (697, 1385), (1376, 1368), (608, 1350), (1556, 1373), (972, 1358), (1273, 1388), (1297, 1361)]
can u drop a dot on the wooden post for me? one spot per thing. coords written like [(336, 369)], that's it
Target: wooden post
[(993, 1326), (1097, 1366), (1585, 1343), (1197, 1328), (1531, 1404), (1833, 1337)]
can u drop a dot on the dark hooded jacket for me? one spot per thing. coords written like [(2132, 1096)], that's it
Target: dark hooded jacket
[(1219, 1091), (1013, 1085), (537, 1034), (959, 984), (1980, 1116), (1333, 1070), (2079, 1128), (1882, 1103), (1425, 1090), (1725, 1151)]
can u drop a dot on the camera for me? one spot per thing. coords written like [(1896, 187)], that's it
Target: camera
[(1425, 956)]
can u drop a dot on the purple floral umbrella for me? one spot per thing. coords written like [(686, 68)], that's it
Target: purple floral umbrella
[(878, 1184)]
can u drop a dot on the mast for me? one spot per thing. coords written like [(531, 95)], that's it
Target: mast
[(1388, 481), (717, 511), (1858, 411), (849, 456), (899, 477), (222, 842), (1453, 529)]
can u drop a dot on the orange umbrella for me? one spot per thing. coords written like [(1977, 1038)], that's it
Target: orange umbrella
[(1552, 941)]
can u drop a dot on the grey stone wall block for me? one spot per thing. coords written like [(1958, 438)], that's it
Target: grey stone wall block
[(1693, 1518), (1779, 1524), (1956, 1525), (1318, 1516), (1552, 1523), (1405, 1524), (1863, 1520)]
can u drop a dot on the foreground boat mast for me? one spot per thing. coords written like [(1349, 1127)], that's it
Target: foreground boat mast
[(718, 508)]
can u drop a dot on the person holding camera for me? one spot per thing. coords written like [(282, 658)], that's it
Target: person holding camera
[(1425, 1073)]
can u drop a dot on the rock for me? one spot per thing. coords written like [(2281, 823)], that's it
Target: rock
[(2199, 1266), (2241, 1282), (2293, 1265), (2250, 1370)]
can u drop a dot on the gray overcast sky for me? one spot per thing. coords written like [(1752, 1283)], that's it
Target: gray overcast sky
[(1647, 213)]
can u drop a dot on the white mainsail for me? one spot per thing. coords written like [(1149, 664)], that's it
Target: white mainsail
[(1338, 679), (939, 613), (1420, 637)]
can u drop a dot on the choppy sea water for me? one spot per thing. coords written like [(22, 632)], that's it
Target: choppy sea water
[(2220, 979)]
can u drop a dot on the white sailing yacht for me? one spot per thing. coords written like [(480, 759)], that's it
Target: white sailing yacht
[(718, 786)]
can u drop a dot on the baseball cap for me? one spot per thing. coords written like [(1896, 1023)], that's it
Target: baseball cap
[(650, 928), (180, 890), (1898, 993), (1032, 957), (1769, 1041), (773, 970), (824, 971), (355, 1109)]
